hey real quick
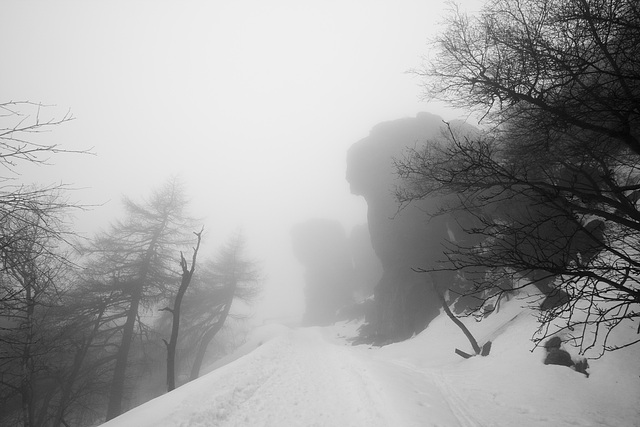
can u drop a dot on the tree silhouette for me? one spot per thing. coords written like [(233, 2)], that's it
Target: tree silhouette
[(136, 258), (229, 276), (553, 186), (187, 275)]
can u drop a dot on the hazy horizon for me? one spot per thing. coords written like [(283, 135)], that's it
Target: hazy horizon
[(252, 104)]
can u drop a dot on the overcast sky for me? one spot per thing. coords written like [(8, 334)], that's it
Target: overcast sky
[(252, 103)]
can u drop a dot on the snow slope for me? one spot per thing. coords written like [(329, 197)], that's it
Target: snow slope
[(312, 377)]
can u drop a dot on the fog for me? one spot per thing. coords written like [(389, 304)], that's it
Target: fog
[(252, 104)]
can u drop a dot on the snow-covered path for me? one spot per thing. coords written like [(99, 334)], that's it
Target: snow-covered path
[(311, 377), (301, 378), (293, 379)]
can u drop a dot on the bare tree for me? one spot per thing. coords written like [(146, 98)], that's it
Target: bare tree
[(575, 60), (553, 186), (89, 319), (135, 258), (36, 267), (187, 274), (552, 222), (21, 124), (226, 278), (22, 128), (34, 272)]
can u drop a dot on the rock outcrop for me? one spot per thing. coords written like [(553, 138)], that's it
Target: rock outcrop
[(366, 265), (405, 301)]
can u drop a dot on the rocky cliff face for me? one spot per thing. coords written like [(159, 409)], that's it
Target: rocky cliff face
[(366, 265), (405, 301)]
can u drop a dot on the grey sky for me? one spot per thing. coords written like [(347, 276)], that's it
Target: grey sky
[(252, 103)]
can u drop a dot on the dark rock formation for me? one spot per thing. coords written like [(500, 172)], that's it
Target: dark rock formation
[(322, 247), (405, 301), (366, 265)]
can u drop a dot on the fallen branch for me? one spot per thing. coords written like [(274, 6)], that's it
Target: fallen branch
[(483, 351)]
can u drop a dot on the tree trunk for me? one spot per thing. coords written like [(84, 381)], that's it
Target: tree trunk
[(175, 326), (206, 339), (78, 360), (173, 341), (119, 374), (26, 388), (175, 313), (116, 393), (465, 330)]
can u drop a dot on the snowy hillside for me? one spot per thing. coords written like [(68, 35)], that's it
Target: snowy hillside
[(313, 377)]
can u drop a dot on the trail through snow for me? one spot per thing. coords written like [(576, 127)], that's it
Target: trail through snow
[(300, 378), (295, 378), (311, 377)]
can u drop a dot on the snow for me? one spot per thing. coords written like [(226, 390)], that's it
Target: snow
[(312, 377)]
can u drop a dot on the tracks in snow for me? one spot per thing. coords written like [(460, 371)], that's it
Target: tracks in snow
[(443, 393)]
